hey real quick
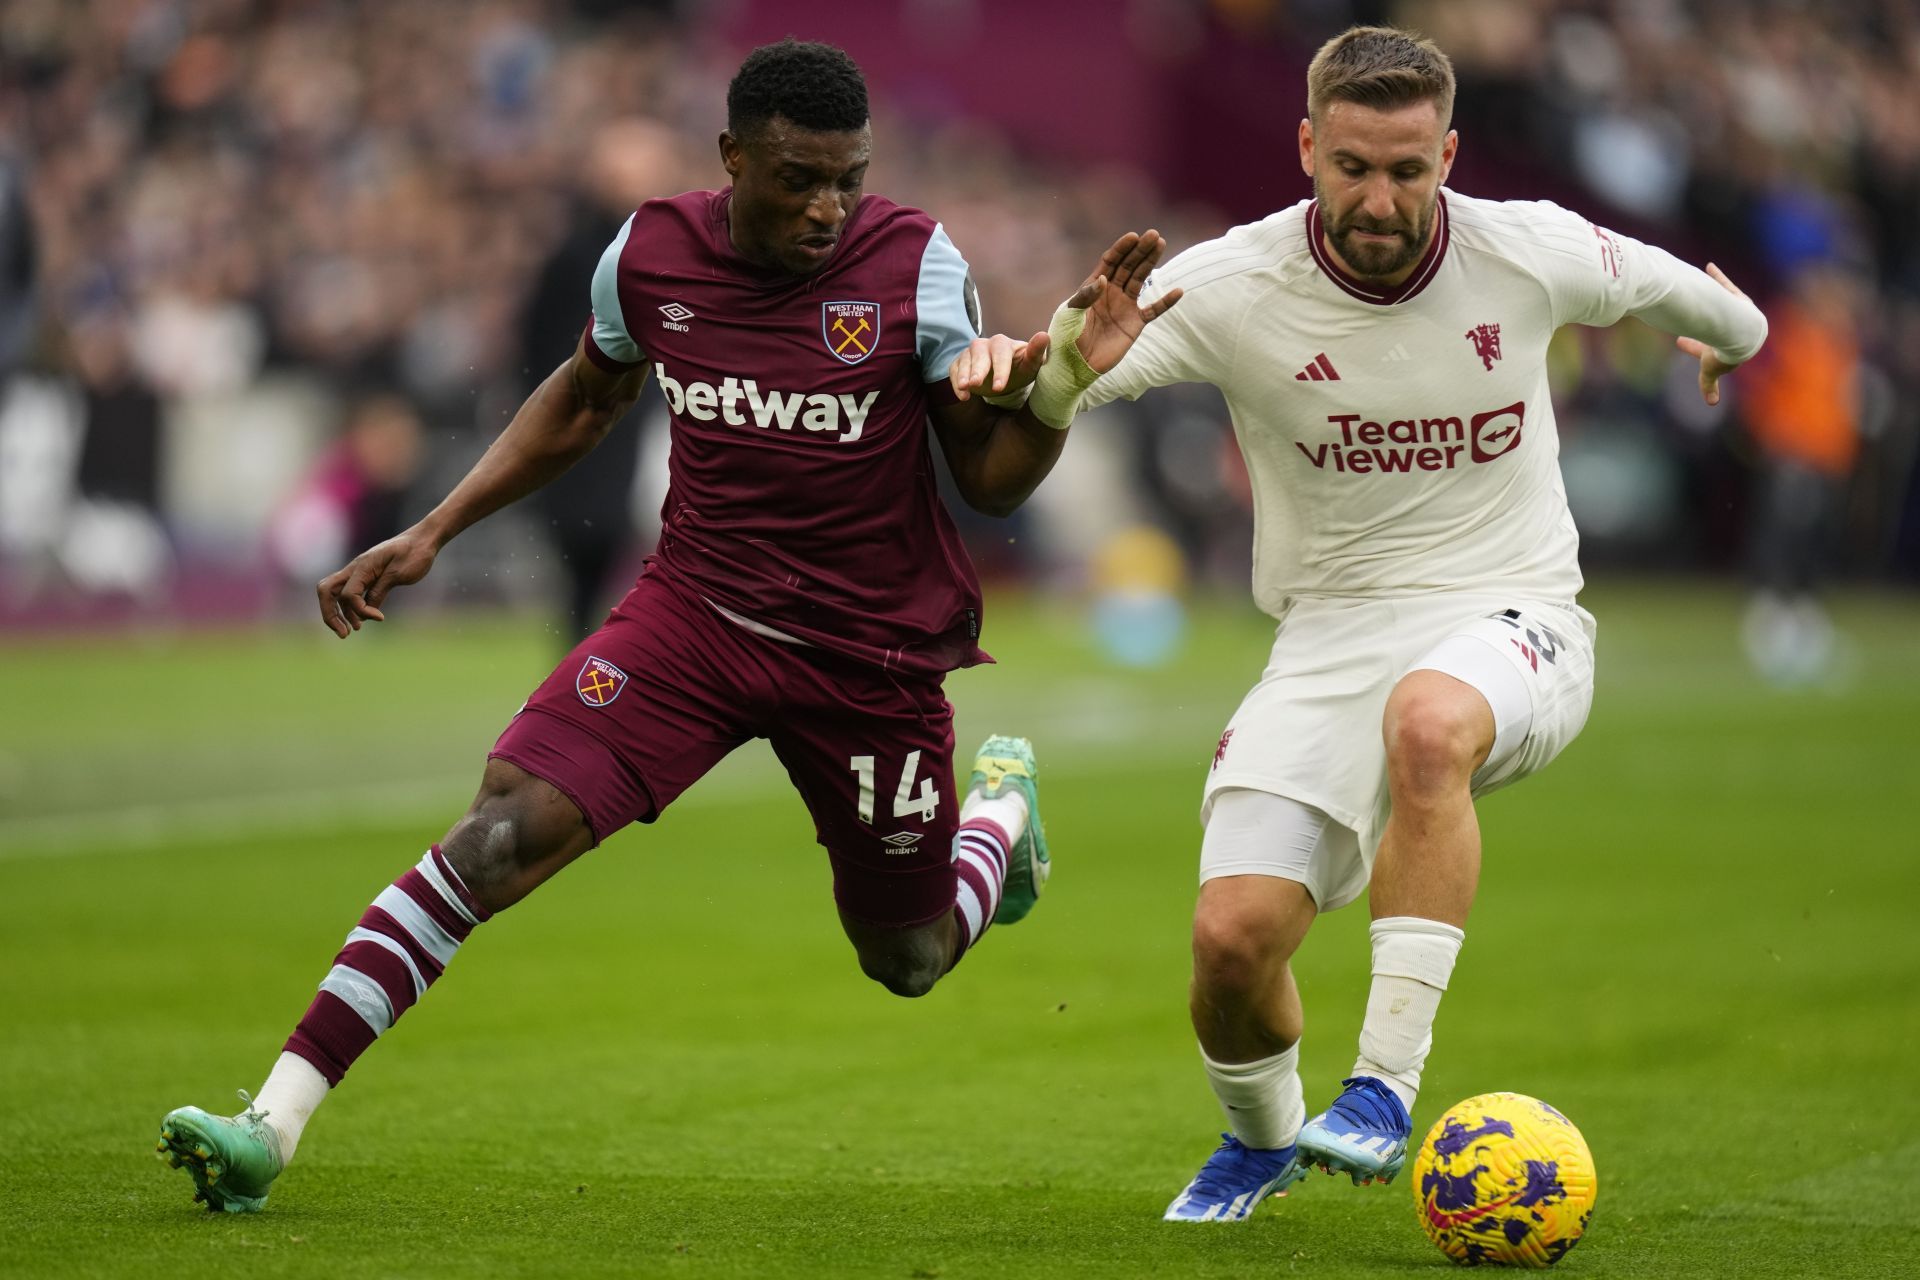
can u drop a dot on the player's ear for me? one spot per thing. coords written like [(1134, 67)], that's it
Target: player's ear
[(1448, 149), (731, 153), (1306, 146)]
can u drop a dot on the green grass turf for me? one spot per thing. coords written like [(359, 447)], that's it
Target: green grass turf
[(1694, 936)]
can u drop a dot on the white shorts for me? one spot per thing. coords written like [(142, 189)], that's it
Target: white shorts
[(1310, 730)]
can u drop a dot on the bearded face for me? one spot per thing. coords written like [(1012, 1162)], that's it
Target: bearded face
[(1374, 249), (1377, 176)]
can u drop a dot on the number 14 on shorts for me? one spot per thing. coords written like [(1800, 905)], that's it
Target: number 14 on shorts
[(906, 800)]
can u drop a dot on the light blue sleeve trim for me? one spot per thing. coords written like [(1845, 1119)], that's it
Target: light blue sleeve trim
[(944, 329), (609, 321)]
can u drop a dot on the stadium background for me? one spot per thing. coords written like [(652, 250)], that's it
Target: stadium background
[(272, 274)]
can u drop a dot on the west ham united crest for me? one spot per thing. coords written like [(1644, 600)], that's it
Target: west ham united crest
[(852, 329), (599, 682)]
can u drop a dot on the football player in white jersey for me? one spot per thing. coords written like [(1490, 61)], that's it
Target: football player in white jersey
[(1382, 350)]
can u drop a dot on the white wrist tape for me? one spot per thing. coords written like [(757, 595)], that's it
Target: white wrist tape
[(1009, 399), (1065, 377)]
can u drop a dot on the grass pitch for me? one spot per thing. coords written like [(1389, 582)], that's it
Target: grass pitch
[(1694, 936)]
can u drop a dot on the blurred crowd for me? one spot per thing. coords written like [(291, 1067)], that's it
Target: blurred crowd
[(1781, 140), (274, 270)]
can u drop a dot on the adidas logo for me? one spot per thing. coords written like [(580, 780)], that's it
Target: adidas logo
[(1321, 370), (1396, 355)]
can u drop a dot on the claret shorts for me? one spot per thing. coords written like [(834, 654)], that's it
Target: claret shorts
[(650, 702)]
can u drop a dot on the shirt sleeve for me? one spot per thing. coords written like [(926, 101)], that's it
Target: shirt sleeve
[(946, 307), (1193, 341), (1595, 276), (610, 343)]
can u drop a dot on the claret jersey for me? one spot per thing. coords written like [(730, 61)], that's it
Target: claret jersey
[(1400, 440), (801, 497)]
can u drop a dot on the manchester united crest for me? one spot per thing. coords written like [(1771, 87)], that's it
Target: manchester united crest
[(599, 682), (1486, 342), (852, 329)]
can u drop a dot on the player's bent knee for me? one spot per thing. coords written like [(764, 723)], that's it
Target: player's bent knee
[(488, 848), (1236, 948), (907, 962), (518, 830), (1436, 734), (910, 975)]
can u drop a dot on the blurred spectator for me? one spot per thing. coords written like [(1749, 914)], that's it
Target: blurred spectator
[(355, 495), (589, 510), (240, 207), (1802, 407), (19, 314), (340, 192)]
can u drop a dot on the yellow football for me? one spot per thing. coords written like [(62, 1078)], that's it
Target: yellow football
[(1504, 1179)]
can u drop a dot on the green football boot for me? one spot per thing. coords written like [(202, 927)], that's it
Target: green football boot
[(1000, 763), (233, 1159)]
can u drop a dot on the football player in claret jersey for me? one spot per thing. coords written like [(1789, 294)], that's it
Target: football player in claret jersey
[(808, 586), (1382, 352)]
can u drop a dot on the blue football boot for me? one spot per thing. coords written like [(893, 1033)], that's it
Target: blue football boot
[(1364, 1133), (1234, 1179)]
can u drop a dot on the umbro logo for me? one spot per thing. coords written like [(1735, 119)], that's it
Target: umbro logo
[(902, 841), (1321, 370), (676, 317)]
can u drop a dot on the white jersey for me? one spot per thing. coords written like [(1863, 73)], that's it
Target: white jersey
[(1400, 440)]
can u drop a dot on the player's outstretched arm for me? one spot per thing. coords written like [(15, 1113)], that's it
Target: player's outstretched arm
[(1713, 365), (1109, 319), (999, 446), (561, 422)]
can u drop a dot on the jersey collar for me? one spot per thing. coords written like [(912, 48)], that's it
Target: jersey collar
[(1369, 291)]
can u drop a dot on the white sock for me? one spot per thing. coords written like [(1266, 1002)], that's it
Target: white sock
[(1007, 811), (292, 1091), (1412, 962), (1263, 1100)]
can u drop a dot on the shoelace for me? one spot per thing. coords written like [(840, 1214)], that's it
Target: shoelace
[(256, 1119), (252, 1115)]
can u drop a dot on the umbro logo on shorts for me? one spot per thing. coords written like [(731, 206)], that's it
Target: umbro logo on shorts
[(902, 841)]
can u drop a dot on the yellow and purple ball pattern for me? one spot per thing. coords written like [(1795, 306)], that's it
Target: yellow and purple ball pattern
[(1506, 1180)]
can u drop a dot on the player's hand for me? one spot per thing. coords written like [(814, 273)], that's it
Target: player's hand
[(1712, 367), (1111, 299), (354, 594), (997, 365)]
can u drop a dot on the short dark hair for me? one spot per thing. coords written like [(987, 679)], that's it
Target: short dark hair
[(1382, 68), (816, 86)]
